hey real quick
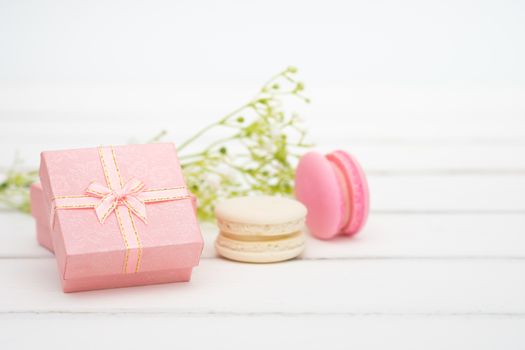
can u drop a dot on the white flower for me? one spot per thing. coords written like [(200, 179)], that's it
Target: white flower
[(299, 119), (270, 147), (275, 131), (230, 174), (212, 181)]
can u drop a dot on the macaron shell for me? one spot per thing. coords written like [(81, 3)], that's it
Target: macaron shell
[(358, 188), (266, 251), (317, 187), (260, 210)]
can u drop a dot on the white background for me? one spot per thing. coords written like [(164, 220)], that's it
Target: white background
[(430, 96)]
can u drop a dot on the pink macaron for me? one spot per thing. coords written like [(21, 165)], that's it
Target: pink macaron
[(335, 191)]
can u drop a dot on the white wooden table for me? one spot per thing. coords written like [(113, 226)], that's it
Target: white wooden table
[(441, 263), (429, 96)]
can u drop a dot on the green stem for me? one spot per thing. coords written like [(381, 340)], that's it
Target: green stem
[(197, 135), (275, 77), (211, 126), (158, 136), (192, 155)]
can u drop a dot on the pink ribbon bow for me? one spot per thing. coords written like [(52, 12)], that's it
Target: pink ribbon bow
[(126, 199), (109, 200)]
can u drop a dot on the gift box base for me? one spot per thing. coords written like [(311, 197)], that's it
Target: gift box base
[(126, 280), (41, 214), (43, 236)]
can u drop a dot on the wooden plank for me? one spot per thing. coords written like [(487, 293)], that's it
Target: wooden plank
[(438, 193), (377, 157), (386, 236), (357, 102), (360, 287), (259, 332), (447, 194), (408, 124), (44, 125)]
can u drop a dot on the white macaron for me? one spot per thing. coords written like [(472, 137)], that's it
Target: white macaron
[(260, 229)]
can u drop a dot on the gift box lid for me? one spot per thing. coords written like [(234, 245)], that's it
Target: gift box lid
[(120, 209)]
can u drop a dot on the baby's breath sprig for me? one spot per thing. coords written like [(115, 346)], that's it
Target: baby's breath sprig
[(14, 189), (256, 151)]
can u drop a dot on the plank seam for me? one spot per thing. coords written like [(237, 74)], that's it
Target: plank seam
[(293, 314), (349, 258)]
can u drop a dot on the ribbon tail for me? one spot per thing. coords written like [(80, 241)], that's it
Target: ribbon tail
[(137, 207), (106, 205)]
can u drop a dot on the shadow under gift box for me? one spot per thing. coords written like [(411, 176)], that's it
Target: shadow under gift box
[(93, 255)]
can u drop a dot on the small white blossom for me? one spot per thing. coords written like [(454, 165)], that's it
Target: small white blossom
[(275, 131), (212, 181), (270, 147), (298, 118), (230, 174)]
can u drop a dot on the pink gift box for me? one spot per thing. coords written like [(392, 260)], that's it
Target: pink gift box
[(117, 216), (40, 212)]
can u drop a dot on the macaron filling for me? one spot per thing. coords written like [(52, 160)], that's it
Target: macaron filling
[(249, 238), (259, 229)]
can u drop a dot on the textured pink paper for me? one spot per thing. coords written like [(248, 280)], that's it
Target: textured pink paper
[(41, 214), (126, 280), (86, 248)]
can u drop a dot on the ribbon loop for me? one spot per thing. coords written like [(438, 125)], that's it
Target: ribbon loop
[(110, 200)]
